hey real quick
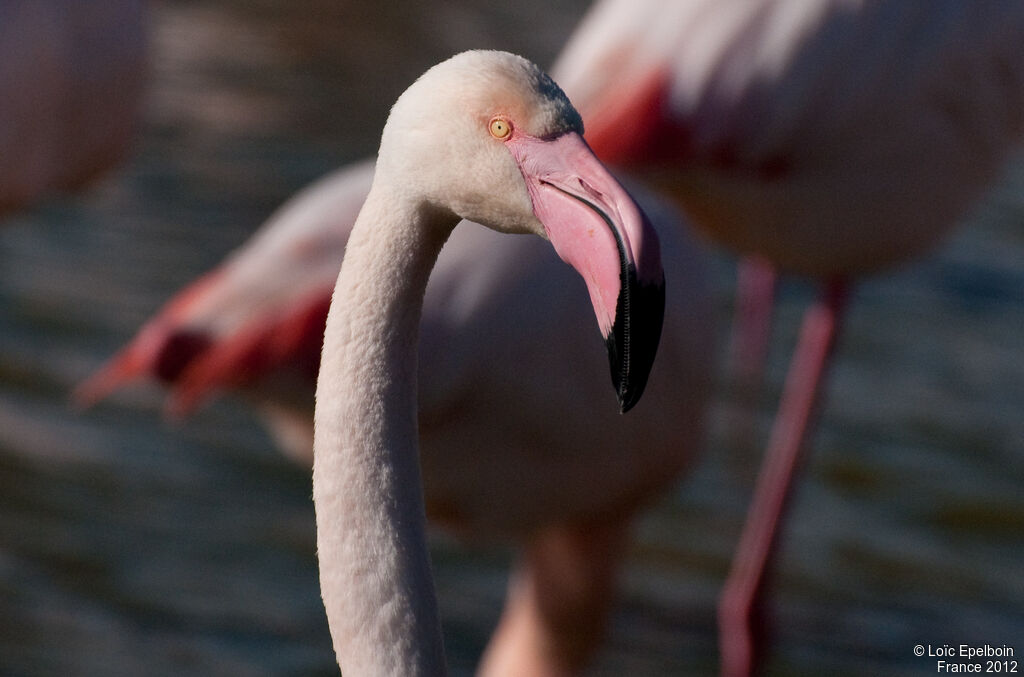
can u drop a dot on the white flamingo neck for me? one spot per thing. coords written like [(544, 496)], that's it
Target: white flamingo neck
[(375, 571)]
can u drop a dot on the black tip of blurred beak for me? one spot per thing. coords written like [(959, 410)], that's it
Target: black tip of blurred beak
[(634, 338)]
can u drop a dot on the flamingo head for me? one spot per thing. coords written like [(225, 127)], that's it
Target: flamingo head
[(492, 139)]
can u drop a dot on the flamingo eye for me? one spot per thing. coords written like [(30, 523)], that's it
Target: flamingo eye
[(500, 128)]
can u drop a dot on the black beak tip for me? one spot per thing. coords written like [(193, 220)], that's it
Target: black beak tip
[(627, 401), (633, 341)]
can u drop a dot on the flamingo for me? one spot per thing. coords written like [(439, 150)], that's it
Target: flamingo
[(565, 485), (485, 136), (828, 139), (71, 78)]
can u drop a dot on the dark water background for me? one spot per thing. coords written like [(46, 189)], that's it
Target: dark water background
[(131, 546)]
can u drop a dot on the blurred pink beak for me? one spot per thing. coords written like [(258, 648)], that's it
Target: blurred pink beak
[(597, 228)]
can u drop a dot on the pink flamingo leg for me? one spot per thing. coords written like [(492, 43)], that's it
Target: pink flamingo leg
[(741, 595), (756, 282)]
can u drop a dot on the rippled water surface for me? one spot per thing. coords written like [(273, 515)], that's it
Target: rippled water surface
[(133, 546)]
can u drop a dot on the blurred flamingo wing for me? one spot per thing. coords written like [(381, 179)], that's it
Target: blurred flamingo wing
[(290, 340)]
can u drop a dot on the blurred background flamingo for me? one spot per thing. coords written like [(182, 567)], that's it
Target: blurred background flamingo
[(71, 79), (123, 538), (827, 139), (488, 387)]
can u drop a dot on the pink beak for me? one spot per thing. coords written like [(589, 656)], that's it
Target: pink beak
[(597, 228)]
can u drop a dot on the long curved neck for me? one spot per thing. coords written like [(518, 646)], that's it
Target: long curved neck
[(375, 574)]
